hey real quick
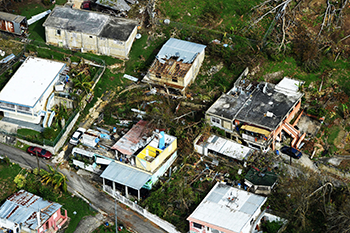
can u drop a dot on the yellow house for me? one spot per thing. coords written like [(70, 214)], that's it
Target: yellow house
[(143, 155), (89, 31), (151, 157)]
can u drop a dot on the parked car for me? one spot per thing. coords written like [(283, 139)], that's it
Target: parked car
[(292, 152), (76, 136), (41, 152)]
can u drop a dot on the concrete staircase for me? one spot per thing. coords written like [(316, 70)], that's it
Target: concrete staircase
[(294, 133)]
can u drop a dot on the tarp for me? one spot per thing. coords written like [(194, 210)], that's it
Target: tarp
[(256, 130)]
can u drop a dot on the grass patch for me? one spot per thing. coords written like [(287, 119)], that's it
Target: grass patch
[(333, 134), (76, 204), (142, 55), (7, 175), (28, 132), (37, 31)]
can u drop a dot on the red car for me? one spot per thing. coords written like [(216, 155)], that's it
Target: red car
[(41, 152)]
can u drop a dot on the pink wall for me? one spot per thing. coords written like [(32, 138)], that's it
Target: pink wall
[(52, 221)]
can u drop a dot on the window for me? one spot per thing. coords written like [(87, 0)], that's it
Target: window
[(215, 120), (90, 36), (58, 32), (23, 108), (196, 225), (158, 75), (174, 79)]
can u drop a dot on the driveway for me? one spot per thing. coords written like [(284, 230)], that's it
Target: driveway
[(304, 160)]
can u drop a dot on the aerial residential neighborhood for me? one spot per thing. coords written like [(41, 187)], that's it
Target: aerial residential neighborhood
[(174, 116)]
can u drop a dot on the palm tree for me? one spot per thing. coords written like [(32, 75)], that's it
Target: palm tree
[(83, 82), (56, 178)]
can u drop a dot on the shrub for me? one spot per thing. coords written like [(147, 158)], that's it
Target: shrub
[(271, 227)]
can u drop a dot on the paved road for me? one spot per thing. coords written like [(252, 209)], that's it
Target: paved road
[(76, 183)]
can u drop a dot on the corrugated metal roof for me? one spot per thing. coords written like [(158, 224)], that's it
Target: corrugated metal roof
[(184, 50), (128, 143), (22, 208), (227, 207), (125, 175), (11, 17)]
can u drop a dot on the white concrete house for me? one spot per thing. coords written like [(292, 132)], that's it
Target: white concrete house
[(227, 209), (89, 31), (29, 93)]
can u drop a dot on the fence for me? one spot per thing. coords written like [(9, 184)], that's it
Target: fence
[(154, 218)]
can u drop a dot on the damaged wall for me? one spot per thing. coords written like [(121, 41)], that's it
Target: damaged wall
[(89, 43)]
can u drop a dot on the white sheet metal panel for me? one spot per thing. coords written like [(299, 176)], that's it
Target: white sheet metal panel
[(30, 81), (83, 152), (228, 148), (125, 175), (288, 86), (217, 208), (103, 161)]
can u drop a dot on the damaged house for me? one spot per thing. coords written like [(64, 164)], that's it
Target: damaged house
[(256, 114), (89, 31), (227, 209), (176, 65), (26, 212), (143, 154)]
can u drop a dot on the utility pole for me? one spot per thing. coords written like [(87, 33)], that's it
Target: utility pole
[(116, 219), (37, 159)]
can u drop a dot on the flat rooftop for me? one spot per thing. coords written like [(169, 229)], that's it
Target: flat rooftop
[(30, 81), (227, 208), (263, 105), (91, 23)]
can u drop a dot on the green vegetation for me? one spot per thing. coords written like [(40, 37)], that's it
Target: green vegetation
[(333, 134), (271, 227), (110, 229)]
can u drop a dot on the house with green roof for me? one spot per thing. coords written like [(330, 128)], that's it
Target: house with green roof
[(260, 181)]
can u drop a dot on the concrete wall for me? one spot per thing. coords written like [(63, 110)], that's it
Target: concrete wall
[(90, 43), (60, 143), (168, 227), (150, 151), (194, 69)]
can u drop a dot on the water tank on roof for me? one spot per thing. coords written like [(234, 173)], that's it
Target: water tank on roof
[(162, 140)]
